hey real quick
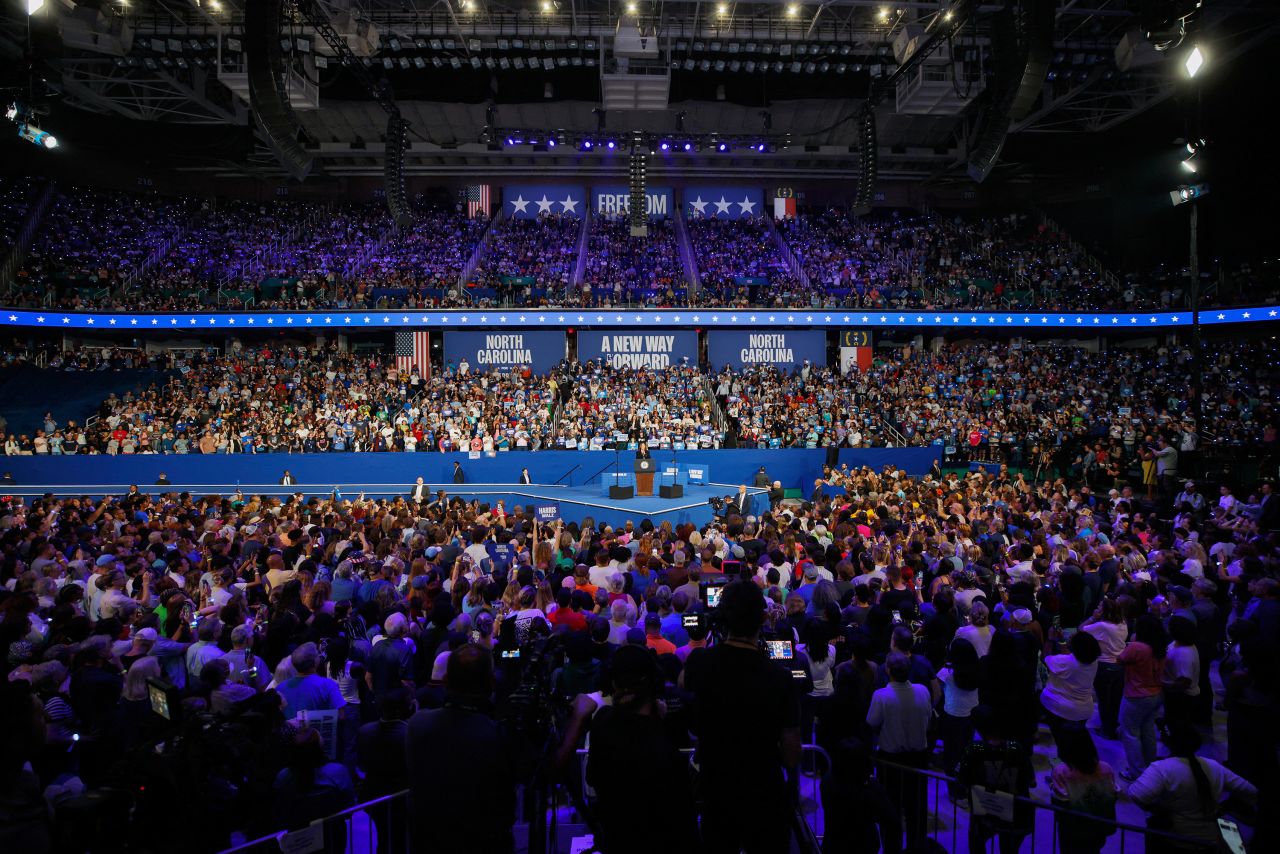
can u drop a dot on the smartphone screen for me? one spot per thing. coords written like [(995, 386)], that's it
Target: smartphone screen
[(713, 595), (780, 650), (897, 617), (688, 620), (511, 653)]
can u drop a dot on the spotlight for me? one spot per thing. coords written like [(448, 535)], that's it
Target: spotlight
[(723, 146), (586, 145), (722, 9), (665, 146), (632, 8), (551, 143), (1186, 193), (884, 13), (611, 145), (1194, 61), (793, 10), (1194, 145), (35, 136), (688, 146), (1188, 166), (760, 147), (511, 141)]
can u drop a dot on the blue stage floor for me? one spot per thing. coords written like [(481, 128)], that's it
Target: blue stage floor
[(576, 502)]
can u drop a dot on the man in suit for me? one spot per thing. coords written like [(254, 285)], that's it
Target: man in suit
[(524, 477), (761, 479), (1269, 520), (458, 476), (742, 502), (419, 492), (287, 479), (163, 480)]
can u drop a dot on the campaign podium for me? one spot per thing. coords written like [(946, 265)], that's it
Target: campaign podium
[(645, 470)]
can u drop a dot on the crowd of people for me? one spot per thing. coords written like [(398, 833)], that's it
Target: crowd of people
[(625, 270), (943, 622), (1101, 416), (528, 261), (102, 249)]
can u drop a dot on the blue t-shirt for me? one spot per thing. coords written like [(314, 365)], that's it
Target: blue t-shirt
[(310, 693)]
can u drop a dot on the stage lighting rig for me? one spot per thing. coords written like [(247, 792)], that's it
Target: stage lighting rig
[(24, 117)]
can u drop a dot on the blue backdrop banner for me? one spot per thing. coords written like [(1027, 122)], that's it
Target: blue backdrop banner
[(540, 351), (724, 202), (638, 349), (783, 348), (528, 201), (613, 199)]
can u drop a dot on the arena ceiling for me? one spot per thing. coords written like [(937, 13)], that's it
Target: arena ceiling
[(793, 73)]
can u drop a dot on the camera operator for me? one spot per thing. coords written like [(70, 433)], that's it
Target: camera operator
[(747, 717), (460, 753), (633, 726)]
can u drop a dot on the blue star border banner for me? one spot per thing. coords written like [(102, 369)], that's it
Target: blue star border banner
[(651, 318)]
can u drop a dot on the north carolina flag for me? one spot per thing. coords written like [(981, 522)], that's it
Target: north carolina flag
[(784, 208)]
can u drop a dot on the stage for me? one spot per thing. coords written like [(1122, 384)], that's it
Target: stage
[(573, 504)]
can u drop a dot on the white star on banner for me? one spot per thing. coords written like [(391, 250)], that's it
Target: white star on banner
[(1174, 318), (1095, 320), (520, 204), (809, 318), (89, 321), (560, 318), (231, 320), (13, 318), (675, 319), (544, 204), (580, 318), (425, 319), (1273, 313), (1079, 320), (733, 318), (154, 321), (191, 321), (695, 318), (522, 318), (722, 206), (715, 318), (404, 318), (173, 321), (753, 318), (212, 321), (133, 321), (699, 205), (462, 319), (1115, 320), (251, 321), (271, 320), (827, 319), (66, 320), (1222, 317), (748, 206), (1153, 320), (864, 318), (112, 321), (386, 319), (599, 319), (289, 321), (366, 318), (1133, 320), (1246, 315), (570, 204)]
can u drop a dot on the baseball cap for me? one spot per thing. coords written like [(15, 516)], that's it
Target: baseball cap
[(432, 551), (105, 560), (148, 634), (1022, 615)]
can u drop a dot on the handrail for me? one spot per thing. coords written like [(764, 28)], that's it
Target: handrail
[(566, 474), (602, 471), (276, 841), (1059, 811)]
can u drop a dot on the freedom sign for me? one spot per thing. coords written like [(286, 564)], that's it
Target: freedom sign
[(785, 349), (615, 199), (539, 351), (638, 348)]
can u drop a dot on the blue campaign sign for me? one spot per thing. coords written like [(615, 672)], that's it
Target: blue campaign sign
[(613, 199), (529, 201), (546, 511), (724, 202), (638, 348), (786, 349), (484, 351), (698, 474)]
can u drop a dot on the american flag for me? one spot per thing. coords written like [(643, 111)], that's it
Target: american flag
[(477, 199), (413, 349)]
